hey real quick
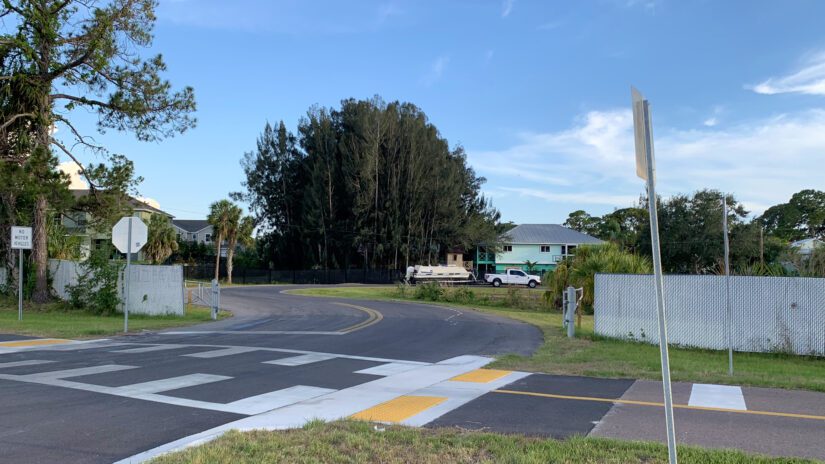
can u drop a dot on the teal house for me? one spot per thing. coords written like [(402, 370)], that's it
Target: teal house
[(544, 244)]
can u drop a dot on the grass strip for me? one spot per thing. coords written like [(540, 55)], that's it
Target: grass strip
[(54, 320), (363, 442)]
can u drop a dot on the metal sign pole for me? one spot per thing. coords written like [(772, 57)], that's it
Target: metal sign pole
[(648, 172), (727, 284), (126, 280), (20, 291)]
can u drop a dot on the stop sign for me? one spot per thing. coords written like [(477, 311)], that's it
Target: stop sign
[(120, 234)]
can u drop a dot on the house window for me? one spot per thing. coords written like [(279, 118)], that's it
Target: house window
[(545, 248), (208, 237), (568, 250), (508, 248), (195, 237)]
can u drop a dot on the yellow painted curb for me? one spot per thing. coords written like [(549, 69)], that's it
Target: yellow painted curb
[(33, 342), (481, 376), (399, 409)]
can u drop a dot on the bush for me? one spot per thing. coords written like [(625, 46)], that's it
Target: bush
[(589, 261), (401, 291), (461, 295), (96, 288), (429, 291)]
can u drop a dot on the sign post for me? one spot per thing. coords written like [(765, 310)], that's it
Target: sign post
[(646, 169), (128, 235), (727, 282), (21, 239)]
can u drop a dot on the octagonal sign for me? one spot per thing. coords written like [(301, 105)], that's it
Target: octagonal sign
[(120, 234)]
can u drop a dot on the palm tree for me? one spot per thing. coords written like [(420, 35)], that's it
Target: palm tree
[(223, 216), (162, 240), (241, 232), (590, 260)]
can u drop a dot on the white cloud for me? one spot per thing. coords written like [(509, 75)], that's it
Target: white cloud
[(507, 7), (71, 169), (762, 162), (710, 122), (808, 80), (589, 198), (436, 70)]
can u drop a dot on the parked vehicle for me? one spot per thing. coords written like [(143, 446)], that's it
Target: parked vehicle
[(438, 274), (513, 277)]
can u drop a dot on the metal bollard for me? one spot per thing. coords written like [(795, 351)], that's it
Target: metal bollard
[(570, 312), (216, 292)]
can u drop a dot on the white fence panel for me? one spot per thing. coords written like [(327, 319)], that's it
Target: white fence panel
[(768, 313), (153, 290)]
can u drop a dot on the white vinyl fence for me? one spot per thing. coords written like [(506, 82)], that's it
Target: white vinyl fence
[(768, 313), (153, 289)]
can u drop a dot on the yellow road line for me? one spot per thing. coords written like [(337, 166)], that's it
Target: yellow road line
[(655, 404), (399, 409), (481, 376), (33, 342), (374, 318)]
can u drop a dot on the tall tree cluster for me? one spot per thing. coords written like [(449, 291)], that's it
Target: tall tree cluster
[(367, 184)]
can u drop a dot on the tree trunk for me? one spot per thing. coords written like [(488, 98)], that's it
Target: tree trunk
[(230, 254), (9, 200), (40, 252), (218, 257)]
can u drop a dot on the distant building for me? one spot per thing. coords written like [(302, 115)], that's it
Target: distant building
[(544, 244), (78, 223), (806, 246), (194, 230)]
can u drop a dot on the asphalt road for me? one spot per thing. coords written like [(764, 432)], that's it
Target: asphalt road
[(106, 401), (284, 359)]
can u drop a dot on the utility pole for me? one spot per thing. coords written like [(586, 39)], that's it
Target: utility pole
[(762, 246), (727, 281)]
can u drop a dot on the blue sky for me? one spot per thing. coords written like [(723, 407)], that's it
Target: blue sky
[(538, 92)]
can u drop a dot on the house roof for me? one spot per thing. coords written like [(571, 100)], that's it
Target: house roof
[(133, 202), (806, 245), (191, 225), (534, 234)]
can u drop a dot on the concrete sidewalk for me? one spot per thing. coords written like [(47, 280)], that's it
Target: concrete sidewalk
[(758, 420)]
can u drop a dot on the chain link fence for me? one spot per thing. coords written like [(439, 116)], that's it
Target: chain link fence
[(768, 314)]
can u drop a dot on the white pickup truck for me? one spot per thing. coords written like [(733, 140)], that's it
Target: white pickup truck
[(513, 277)]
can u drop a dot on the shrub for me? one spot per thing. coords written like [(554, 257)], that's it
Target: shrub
[(461, 295), (429, 291), (96, 288)]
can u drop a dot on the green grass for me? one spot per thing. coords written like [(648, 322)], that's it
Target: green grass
[(55, 320), (361, 442), (595, 356)]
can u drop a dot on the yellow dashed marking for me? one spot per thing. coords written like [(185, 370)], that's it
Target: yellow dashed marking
[(481, 376), (399, 409), (35, 342)]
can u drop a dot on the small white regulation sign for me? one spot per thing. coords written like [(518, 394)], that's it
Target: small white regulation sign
[(21, 238)]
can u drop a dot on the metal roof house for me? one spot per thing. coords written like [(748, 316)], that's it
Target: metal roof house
[(193, 230), (544, 244)]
